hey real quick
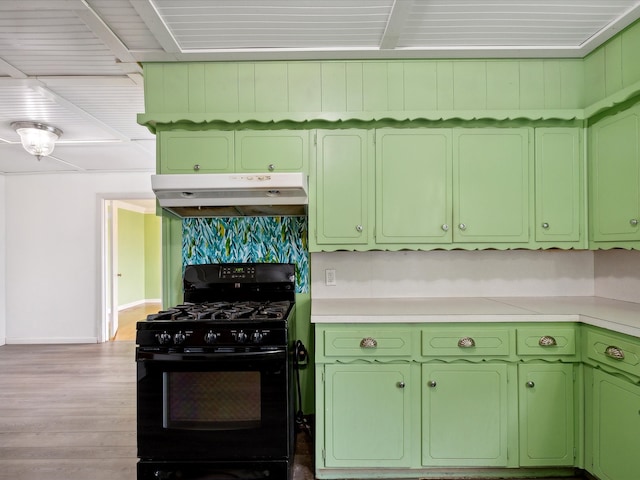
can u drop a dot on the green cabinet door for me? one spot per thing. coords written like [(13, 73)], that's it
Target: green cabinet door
[(491, 185), (545, 395), (413, 186), (272, 151), (614, 172), (342, 187), (195, 152), (367, 421), (559, 184), (465, 415), (616, 428)]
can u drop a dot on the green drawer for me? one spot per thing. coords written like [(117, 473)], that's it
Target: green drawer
[(614, 350), (465, 342), (546, 340), (367, 343)]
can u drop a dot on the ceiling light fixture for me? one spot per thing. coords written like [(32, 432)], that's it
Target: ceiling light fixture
[(37, 138)]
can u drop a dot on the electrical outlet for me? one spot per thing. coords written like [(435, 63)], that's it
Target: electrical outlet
[(330, 277)]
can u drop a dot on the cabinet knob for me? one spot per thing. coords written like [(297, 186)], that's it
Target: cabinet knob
[(462, 226), (359, 228), (400, 384), (196, 167), (545, 225), (530, 384), (614, 352), (368, 342), (633, 221), (445, 227), (431, 384), (547, 341), (466, 342), (271, 167)]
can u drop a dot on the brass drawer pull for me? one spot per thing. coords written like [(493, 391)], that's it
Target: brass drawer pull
[(547, 341), (368, 342), (614, 352), (466, 342)]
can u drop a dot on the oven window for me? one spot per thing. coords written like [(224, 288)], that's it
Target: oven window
[(212, 400)]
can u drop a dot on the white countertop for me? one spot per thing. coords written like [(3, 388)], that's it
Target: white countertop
[(616, 315)]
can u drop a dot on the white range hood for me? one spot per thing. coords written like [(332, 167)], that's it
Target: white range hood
[(232, 194)]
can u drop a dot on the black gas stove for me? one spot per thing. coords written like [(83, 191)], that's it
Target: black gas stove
[(215, 382)]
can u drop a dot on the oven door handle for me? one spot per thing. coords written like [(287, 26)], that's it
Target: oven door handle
[(210, 356)]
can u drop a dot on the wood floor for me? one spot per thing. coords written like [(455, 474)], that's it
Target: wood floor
[(127, 319)]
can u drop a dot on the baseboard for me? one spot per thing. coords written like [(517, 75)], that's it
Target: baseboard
[(137, 303)]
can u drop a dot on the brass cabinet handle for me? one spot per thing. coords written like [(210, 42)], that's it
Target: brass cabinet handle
[(614, 352), (368, 342), (547, 341), (466, 342)]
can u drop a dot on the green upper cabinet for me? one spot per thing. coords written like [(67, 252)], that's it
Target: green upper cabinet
[(491, 185), (559, 183), (413, 186), (614, 171), (272, 150), (182, 151), (341, 213), (218, 151)]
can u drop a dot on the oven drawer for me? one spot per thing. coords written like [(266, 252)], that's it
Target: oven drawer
[(367, 342), (614, 350), (465, 342), (546, 340)]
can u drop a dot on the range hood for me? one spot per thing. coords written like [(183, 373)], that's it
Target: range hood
[(232, 194)]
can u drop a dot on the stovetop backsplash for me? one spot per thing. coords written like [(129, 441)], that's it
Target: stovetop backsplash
[(248, 239)]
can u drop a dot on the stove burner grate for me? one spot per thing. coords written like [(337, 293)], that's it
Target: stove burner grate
[(248, 310)]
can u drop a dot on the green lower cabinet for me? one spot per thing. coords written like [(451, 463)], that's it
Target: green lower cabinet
[(367, 415), (616, 428), (546, 401), (465, 415)]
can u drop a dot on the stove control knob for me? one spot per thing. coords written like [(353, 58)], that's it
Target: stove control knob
[(256, 337), (164, 338), (241, 337), (210, 337), (179, 338)]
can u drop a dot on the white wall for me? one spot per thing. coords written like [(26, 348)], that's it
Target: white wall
[(454, 274), (3, 229), (617, 274), (53, 260)]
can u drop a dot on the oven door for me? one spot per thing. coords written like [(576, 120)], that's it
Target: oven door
[(214, 406)]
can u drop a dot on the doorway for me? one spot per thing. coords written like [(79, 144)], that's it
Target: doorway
[(131, 265)]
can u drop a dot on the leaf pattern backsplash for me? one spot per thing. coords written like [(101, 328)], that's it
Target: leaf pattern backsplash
[(248, 239)]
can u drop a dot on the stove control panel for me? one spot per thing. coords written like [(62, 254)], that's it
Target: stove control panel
[(206, 336), (239, 271)]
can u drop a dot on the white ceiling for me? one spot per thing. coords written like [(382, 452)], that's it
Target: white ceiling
[(75, 64)]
